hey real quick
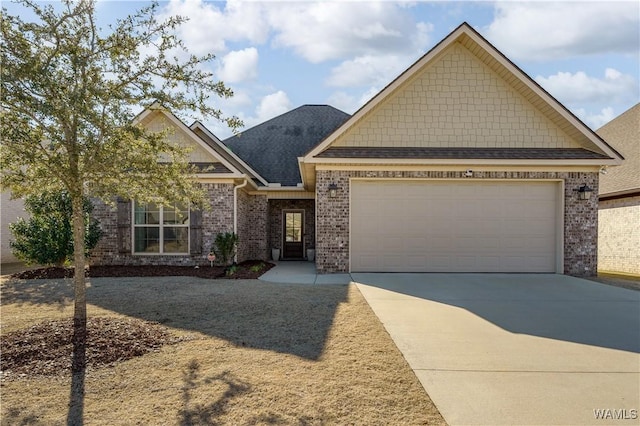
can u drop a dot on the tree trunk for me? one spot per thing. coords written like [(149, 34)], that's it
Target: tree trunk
[(79, 287)]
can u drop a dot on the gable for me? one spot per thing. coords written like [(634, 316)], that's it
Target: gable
[(623, 132), (158, 122), (464, 95), (201, 155), (456, 102)]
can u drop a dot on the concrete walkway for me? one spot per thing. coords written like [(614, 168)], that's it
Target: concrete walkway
[(495, 349), (298, 272)]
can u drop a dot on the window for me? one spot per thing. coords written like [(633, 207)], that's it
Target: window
[(293, 227), (160, 229)]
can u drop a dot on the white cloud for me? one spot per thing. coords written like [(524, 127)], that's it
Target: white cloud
[(367, 70), (596, 120), (550, 30), (580, 88), (209, 27), (239, 65), (271, 106), (321, 31), (343, 101), (351, 103)]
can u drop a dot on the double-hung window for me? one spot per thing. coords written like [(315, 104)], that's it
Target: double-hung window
[(160, 229)]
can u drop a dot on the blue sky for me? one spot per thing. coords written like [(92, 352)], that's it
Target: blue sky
[(279, 55)]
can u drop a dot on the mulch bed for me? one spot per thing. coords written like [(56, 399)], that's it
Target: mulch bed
[(250, 269), (44, 349)]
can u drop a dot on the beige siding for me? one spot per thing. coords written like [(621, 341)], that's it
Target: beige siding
[(619, 235), (10, 211), (457, 102), (454, 226), (157, 123)]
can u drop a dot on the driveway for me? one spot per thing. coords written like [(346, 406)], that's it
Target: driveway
[(513, 348)]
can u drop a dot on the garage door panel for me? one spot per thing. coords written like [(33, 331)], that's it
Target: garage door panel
[(448, 226)]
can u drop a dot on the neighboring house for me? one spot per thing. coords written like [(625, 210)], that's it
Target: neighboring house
[(461, 164), (10, 211), (619, 207)]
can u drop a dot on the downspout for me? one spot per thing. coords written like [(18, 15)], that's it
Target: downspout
[(235, 212)]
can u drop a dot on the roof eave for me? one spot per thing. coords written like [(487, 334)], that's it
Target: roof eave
[(465, 161), (219, 145), (466, 30)]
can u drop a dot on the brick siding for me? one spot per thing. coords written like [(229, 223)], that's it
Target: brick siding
[(332, 221), (252, 227), (619, 235), (275, 221), (218, 219)]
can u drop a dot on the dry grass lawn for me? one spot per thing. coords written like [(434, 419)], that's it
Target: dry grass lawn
[(255, 353)]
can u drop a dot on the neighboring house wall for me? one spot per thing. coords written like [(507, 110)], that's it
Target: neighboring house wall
[(619, 235), (619, 219), (276, 226), (252, 227), (332, 215), (10, 211), (115, 246)]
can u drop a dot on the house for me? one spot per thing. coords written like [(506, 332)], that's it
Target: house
[(10, 212), (461, 164), (619, 193)]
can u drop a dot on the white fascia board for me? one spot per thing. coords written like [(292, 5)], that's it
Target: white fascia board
[(282, 188), (175, 120), (539, 91), (465, 161), (223, 147), (227, 177), (382, 95), (467, 30)]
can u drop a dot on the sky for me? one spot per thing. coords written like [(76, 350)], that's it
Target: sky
[(279, 55)]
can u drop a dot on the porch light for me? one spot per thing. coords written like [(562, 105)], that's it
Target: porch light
[(584, 192), (333, 190)]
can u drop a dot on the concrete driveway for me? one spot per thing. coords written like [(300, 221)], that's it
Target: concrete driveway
[(515, 349)]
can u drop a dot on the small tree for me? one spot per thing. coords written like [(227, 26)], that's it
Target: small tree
[(69, 93), (46, 237), (224, 247)]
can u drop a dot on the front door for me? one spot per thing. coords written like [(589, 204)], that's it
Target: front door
[(293, 231)]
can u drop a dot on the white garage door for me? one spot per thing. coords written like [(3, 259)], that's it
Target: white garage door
[(454, 226)]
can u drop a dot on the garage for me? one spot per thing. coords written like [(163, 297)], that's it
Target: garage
[(455, 226)]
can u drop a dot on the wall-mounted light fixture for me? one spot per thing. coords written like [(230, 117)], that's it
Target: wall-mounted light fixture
[(584, 192), (333, 190)]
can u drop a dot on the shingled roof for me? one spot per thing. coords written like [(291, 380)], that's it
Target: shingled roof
[(273, 147), (461, 153), (623, 133)]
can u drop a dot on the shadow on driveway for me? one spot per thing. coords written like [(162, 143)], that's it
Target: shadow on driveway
[(552, 306)]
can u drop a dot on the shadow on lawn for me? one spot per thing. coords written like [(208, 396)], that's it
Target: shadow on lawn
[(50, 292), (293, 319), (199, 414)]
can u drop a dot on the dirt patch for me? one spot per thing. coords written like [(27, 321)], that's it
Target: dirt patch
[(252, 353), (43, 349), (250, 269)]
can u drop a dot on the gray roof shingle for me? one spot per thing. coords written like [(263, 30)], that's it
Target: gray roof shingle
[(461, 153), (273, 147)]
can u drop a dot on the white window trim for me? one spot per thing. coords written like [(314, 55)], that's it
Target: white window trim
[(160, 225)]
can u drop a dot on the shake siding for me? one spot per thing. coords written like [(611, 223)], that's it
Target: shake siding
[(158, 123), (456, 102)]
